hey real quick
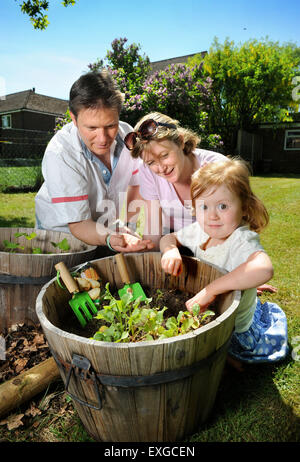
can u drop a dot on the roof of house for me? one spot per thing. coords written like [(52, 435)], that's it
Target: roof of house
[(160, 65), (32, 101)]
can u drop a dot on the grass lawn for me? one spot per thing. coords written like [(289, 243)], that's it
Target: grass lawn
[(17, 210), (262, 404)]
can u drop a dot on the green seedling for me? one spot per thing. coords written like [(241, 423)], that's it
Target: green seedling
[(129, 320), (27, 236), (37, 250), (62, 245), (11, 246)]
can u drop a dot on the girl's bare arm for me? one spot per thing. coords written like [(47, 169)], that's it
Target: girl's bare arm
[(171, 261), (257, 270)]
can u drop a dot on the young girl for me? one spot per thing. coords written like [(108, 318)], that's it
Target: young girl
[(228, 218)]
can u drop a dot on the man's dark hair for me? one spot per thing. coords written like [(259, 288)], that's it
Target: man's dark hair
[(95, 90)]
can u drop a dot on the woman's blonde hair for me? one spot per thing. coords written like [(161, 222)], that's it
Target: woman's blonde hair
[(177, 135), (234, 173)]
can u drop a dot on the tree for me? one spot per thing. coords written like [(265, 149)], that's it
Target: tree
[(127, 65), (184, 94), (36, 9), (251, 83), (130, 69), (178, 91)]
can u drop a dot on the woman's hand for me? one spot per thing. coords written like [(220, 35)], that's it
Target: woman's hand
[(203, 298), (171, 262), (129, 243)]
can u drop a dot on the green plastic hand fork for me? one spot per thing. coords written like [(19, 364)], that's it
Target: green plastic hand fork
[(81, 303), (132, 288)]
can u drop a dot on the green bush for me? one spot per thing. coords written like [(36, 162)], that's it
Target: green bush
[(20, 178), (183, 94)]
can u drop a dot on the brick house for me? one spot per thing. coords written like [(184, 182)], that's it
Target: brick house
[(27, 122), (28, 110)]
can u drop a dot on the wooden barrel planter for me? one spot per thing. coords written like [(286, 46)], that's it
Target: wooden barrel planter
[(22, 275), (150, 391)]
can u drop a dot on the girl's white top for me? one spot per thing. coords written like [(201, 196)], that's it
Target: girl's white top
[(229, 255)]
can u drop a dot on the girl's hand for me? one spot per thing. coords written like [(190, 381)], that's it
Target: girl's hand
[(203, 298), (266, 287), (171, 262)]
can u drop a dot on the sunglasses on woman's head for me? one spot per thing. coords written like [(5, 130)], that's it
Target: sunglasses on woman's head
[(147, 129)]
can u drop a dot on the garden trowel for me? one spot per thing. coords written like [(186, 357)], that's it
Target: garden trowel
[(129, 288), (81, 303)]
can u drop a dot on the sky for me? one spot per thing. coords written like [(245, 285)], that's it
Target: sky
[(51, 60)]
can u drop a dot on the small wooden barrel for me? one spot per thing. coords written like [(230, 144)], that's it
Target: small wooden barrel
[(22, 275), (146, 391)]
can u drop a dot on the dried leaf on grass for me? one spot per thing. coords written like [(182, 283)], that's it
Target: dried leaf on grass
[(45, 402), (39, 339), (32, 411), (25, 347), (19, 364), (13, 421)]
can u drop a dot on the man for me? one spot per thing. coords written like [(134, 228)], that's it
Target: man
[(87, 169)]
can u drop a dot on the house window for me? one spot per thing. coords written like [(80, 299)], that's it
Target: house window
[(6, 121), (292, 140)]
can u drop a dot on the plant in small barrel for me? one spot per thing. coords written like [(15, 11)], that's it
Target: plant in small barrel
[(127, 320), (15, 246)]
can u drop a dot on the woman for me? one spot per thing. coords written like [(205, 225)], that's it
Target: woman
[(170, 157)]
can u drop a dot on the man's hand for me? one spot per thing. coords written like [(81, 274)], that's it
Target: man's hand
[(96, 234), (129, 243)]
